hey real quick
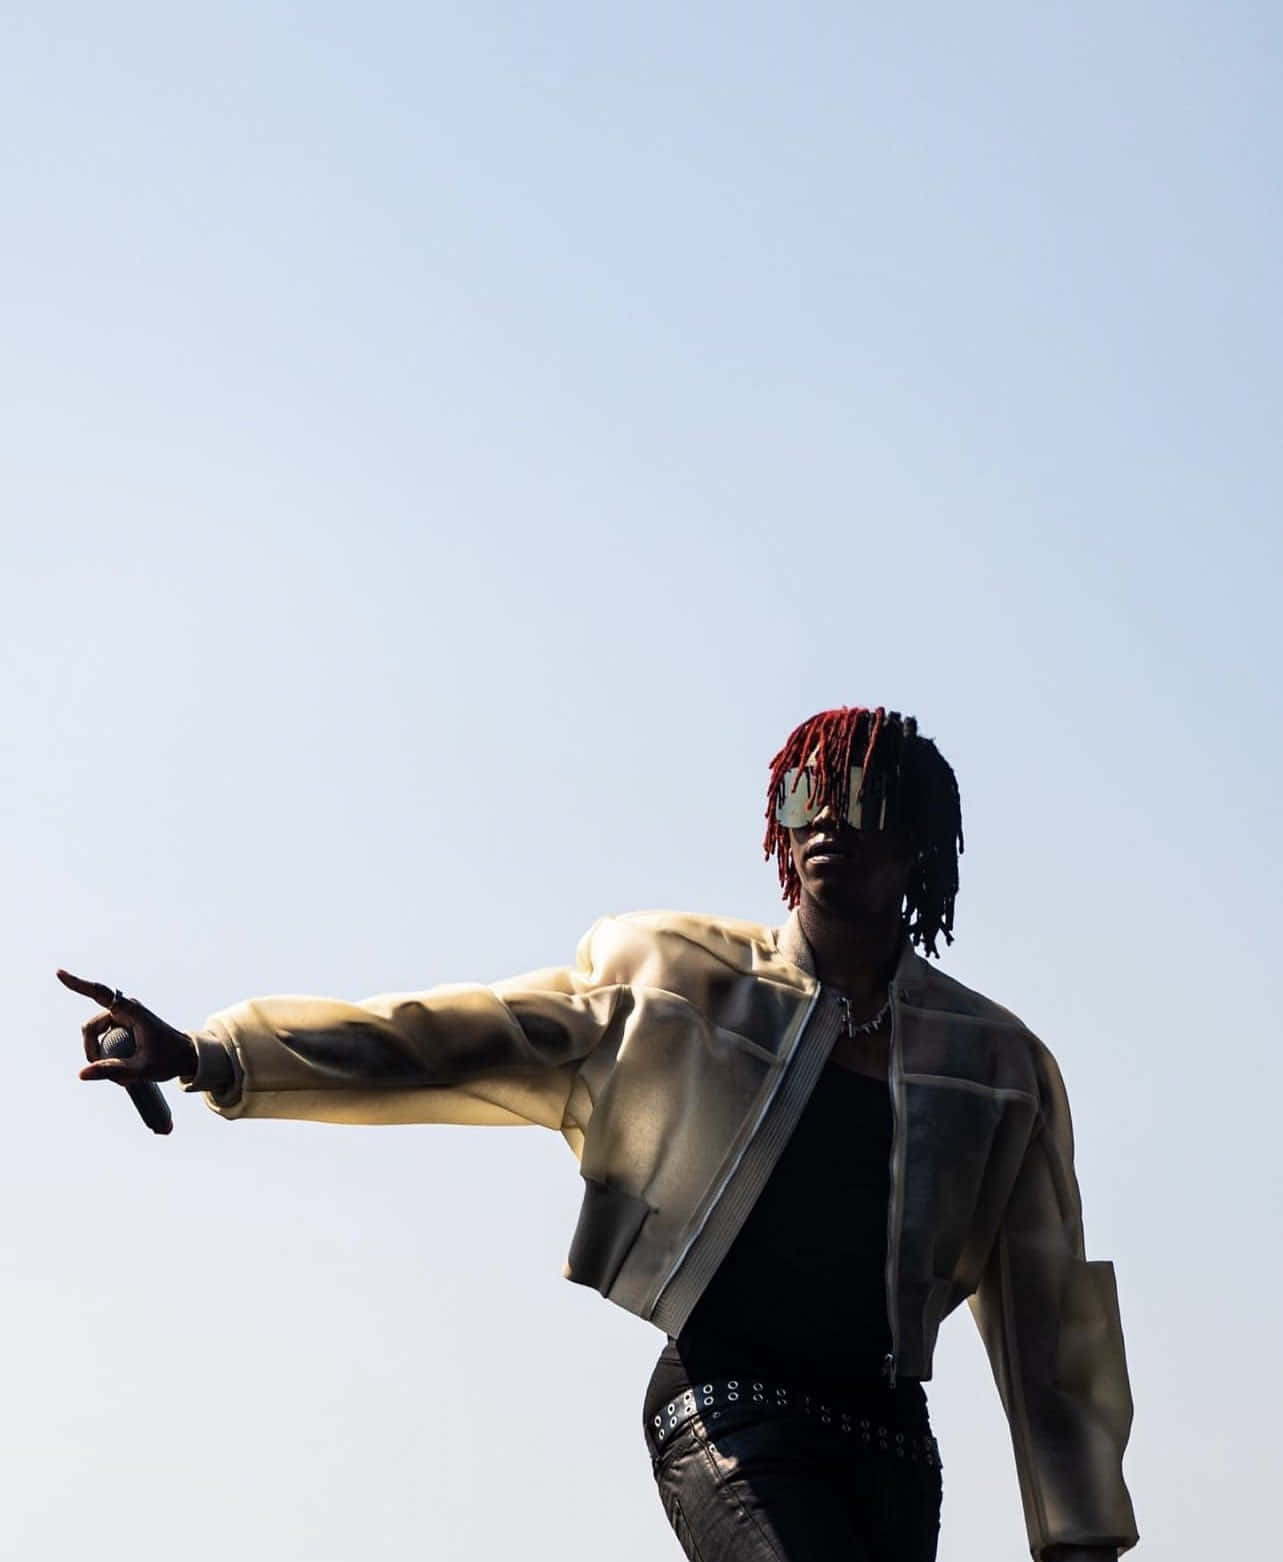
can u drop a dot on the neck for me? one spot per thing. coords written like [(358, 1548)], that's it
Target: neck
[(857, 954)]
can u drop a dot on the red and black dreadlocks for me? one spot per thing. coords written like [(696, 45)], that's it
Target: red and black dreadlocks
[(902, 769)]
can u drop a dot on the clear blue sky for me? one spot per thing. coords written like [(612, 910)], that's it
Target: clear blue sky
[(445, 450)]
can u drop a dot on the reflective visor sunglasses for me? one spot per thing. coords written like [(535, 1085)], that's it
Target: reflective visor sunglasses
[(796, 803)]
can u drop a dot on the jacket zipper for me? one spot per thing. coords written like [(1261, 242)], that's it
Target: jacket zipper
[(895, 1204), (763, 1112)]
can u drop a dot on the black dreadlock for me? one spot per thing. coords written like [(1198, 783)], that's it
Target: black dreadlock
[(901, 769)]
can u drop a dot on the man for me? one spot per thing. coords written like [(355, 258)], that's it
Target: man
[(801, 1149)]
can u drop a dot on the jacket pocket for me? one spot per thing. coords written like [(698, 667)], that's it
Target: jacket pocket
[(1091, 1361), (609, 1220)]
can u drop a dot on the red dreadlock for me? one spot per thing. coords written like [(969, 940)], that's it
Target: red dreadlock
[(902, 771)]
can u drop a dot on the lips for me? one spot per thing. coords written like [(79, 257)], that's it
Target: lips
[(824, 848)]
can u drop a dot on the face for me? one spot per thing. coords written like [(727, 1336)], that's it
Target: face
[(851, 872)]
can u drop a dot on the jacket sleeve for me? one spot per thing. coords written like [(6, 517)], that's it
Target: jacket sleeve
[(502, 1054), (1050, 1323)]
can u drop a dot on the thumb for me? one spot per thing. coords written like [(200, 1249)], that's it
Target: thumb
[(125, 1071)]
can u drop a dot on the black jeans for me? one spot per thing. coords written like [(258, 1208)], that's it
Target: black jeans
[(785, 1490)]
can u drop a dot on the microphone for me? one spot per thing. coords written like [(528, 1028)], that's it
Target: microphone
[(145, 1094)]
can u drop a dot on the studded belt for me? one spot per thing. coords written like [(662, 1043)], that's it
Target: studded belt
[(747, 1399)]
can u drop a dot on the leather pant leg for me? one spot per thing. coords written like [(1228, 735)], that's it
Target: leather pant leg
[(775, 1490)]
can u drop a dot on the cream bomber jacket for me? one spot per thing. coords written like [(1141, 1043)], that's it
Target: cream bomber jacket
[(675, 1056)]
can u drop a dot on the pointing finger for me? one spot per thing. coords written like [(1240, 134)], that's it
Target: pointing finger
[(98, 991), (111, 998)]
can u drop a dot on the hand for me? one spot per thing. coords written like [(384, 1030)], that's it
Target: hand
[(160, 1051)]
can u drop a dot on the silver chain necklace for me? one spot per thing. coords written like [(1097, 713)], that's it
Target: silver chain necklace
[(868, 1026)]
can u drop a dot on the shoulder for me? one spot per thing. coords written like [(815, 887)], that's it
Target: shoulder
[(730, 941), (1007, 1034), (931, 988)]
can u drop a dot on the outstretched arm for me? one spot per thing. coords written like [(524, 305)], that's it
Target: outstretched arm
[(466, 1053)]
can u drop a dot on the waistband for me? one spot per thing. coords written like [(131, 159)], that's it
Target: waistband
[(741, 1400)]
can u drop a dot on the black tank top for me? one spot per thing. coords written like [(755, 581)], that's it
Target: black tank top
[(800, 1298)]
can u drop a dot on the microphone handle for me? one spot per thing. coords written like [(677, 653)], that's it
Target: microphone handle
[(145, 1094)]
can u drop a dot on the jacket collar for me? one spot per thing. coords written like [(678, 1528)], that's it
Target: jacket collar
[(794, 947)]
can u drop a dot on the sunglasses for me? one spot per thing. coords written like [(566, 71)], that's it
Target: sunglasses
[(797, 804)]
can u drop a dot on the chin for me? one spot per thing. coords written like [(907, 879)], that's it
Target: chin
[(838, 898), (842, 898)]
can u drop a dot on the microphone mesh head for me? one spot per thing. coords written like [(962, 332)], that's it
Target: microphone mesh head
[(117, 1043)]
